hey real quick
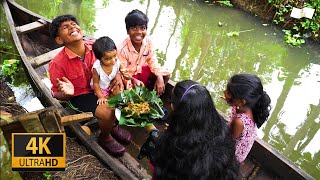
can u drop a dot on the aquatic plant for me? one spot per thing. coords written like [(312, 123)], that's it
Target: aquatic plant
[(237, 33), (293, 39), (305, 26), (225, 3)]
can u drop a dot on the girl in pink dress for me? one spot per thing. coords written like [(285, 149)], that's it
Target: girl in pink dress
[(250, 109)]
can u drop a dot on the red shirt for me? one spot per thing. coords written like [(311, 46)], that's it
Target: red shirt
[(68, 64)]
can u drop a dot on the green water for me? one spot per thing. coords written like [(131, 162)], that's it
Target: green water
[(192, 41)]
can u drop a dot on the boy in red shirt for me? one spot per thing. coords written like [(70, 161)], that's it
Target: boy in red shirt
[(70, 74)]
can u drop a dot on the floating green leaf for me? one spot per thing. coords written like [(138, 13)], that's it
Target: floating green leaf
[(233, 33)]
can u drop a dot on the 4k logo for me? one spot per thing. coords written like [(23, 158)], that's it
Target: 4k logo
[(32, 145), (38, 151)]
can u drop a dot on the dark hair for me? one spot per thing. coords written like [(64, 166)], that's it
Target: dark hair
[(136, 18), (102, 45), (56, 23), (197, 143), (249, 88)]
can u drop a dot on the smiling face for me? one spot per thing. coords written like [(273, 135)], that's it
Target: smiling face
[(109, 58), (137, 34), (68, 32)]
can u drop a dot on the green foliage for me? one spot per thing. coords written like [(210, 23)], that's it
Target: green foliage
[(9, 67), (47, 175), (237, 33), (233, 33), (105, 3), (161, 56), (299, 26), (4, 47), (225, 3), (129, 103), (293, 40)]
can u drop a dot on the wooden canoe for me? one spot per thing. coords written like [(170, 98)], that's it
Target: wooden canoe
[(30, 33)]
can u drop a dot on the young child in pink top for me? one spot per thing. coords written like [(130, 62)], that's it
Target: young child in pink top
[(137, 54), (250, 109)]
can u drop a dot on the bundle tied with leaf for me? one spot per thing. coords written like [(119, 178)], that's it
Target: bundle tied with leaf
[(139, 107)]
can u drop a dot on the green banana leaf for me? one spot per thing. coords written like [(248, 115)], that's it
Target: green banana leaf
[(138, 95)]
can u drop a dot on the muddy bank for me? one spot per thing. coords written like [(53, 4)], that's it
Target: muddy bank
[(8, 104), (260, 8), (267, 12)]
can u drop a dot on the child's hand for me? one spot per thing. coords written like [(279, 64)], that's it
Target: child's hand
[(125, 73), (229, 123), (65, 86), (117, 81), (102, 101), (159, 86), (136, 82), (224, 98)]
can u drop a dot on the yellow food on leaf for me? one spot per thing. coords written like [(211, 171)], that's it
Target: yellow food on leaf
[(137, 108)]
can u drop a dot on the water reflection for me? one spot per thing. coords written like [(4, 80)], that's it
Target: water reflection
[(192, 41)]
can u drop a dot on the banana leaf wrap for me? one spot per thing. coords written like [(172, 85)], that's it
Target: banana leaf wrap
[(139, 107)]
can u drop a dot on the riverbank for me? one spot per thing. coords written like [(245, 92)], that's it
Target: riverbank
[(279, 14), (8, 106)]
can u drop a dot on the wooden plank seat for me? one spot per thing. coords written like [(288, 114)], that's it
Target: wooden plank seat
[(40, 23), (45, 58)]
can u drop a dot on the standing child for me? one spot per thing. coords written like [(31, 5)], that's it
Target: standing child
[(137, 54), (250, 109), (105, 69)]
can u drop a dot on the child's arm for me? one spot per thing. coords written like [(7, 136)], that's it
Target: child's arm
[(65, 89), (96, 87), (136, 82), (236, 127), (156, 68), (125, 73), (116, 89), (159, 85)]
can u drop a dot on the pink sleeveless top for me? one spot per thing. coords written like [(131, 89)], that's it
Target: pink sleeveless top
[(245, 142)]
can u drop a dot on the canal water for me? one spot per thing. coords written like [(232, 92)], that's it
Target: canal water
[(195, 41)]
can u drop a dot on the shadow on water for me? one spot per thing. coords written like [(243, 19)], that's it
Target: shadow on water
[(196, 41)]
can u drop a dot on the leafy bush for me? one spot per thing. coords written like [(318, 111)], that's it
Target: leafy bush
[(293, 40), (309, 27), (9, 67)]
